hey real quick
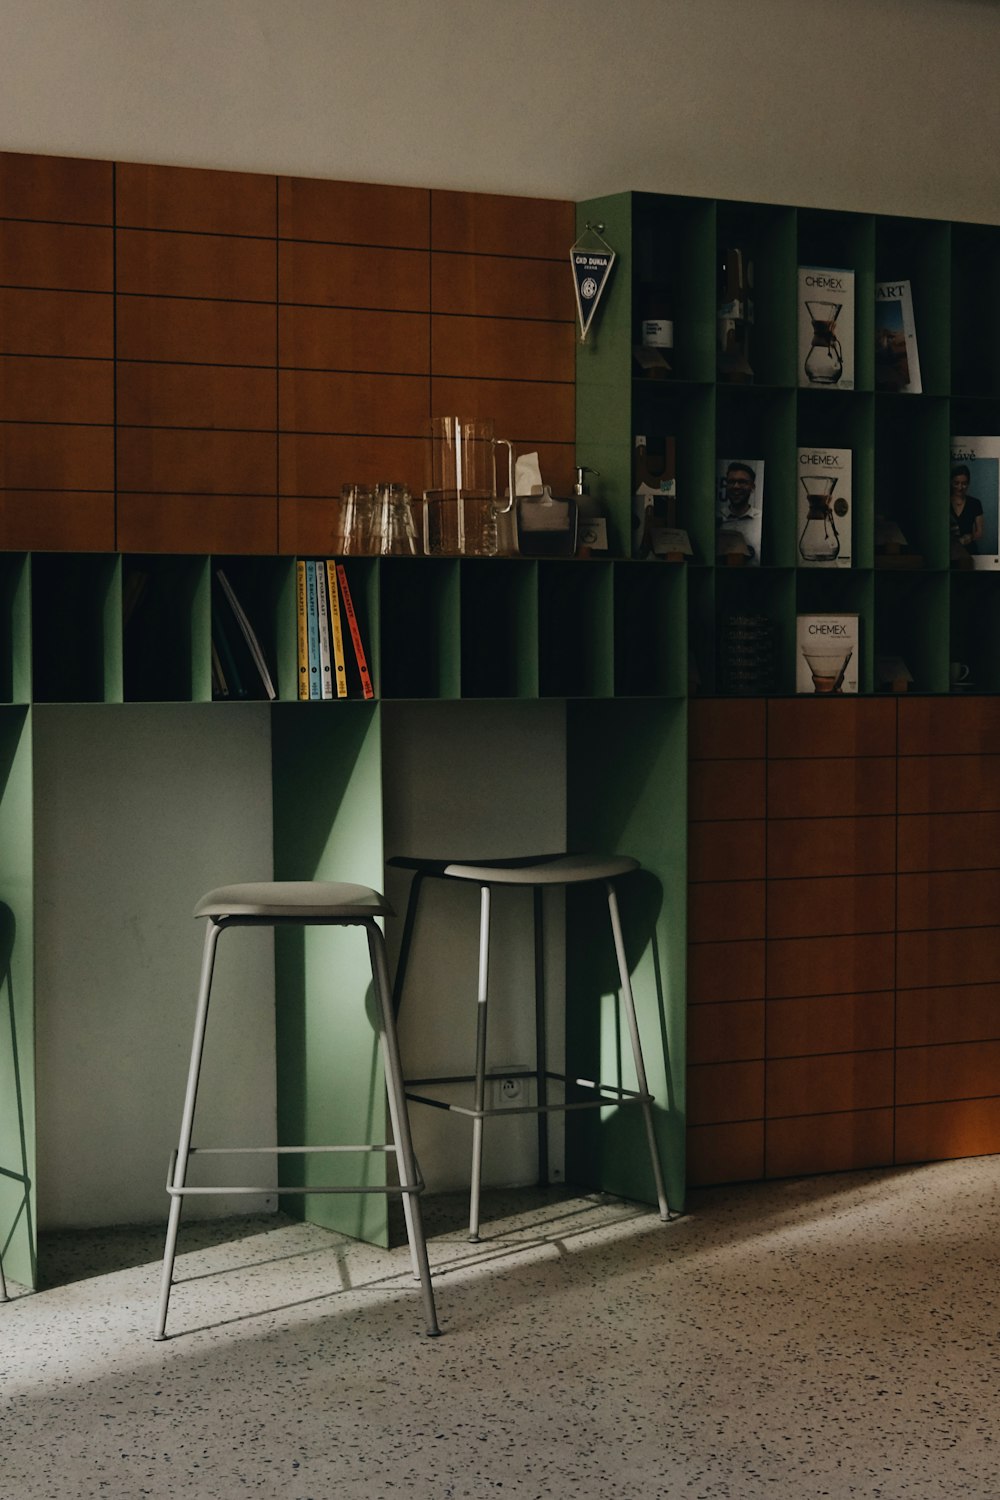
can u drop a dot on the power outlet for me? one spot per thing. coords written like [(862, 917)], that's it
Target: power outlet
[(507, 1089)]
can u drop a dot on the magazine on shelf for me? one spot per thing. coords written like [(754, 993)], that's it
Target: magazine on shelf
[(826, 654), (826, 328), (655, 532), (248, 633), (824, 529), (897, 363), (739, 509), (974, 502)]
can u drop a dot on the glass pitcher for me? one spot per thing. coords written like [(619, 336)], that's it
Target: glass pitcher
[(462, 515)]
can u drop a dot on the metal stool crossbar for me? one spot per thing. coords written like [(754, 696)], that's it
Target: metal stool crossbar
[(300, 903), (536, 873)]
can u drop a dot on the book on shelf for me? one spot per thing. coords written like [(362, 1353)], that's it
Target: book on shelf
[(336, 630), (312, 631), (355, 632), (897, 362), (248, 633), (231, 681), (974, 503), (739, 510), (824, 499), (826, 328), (826, 654), (302, 629), (323, 620)]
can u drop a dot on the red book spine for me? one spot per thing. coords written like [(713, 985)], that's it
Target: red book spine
[(352, 621)]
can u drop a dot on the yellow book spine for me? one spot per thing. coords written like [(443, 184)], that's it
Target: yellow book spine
[(303, 629), (336, 629)]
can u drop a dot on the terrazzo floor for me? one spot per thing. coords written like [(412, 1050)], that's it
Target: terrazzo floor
[(837, 1336)]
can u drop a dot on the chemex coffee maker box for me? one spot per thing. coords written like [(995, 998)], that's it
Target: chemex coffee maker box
[(826, 654)]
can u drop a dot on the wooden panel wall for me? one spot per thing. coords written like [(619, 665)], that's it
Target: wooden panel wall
[(196, 361), (844, 952)]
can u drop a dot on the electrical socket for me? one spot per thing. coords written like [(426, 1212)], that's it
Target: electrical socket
[(507, 1089)]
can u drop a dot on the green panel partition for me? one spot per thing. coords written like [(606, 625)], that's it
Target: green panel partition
[(18, 1200), (328, 826), (627, 794)]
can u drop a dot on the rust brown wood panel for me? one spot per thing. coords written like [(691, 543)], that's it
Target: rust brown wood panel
[(64, 257), (725, 971), (949, 783), (490, 224), (317, 464), (55, 456), (830, 1023), (195, 198), (194, 331), (374, 276), (57, 520), (502, 287), (524, 411), (70, 190), (830, 906), (197, 523), (325, 338), (725, 1153), (957, 955), (718, 790), (305, 524), (956, 898), (721, 729), (502, 348), (353, 213), (802, 847), (948, 841), (829, 1143), (178, 461), (963, 1070), (858, 786), (179, 395), (56, 390), (807, 727), (162, 263), (732, 1032), (954, 1013), (718, 1092), (827, 1084), (937, 1132), (949, 726), (830, 965), (726, 909), (726, 849), (322, 401), (77, 324)]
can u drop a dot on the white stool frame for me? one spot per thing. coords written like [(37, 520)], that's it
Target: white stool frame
[(410, 1183)]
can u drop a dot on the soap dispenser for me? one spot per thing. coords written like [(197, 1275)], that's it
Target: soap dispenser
[(546, 525)]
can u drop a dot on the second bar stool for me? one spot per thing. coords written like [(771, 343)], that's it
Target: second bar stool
[(535, 873)]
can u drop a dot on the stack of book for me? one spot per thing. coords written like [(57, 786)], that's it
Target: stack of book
[(324, 604)]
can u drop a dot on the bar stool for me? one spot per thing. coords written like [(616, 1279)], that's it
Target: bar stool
[(310, 904), (535, 872)]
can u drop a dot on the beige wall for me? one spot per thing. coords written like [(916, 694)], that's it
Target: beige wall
[(887, 105)]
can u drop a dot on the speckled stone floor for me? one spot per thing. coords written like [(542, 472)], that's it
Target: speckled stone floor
[(838, 1336)]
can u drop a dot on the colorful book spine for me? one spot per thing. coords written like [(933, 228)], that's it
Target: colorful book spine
[(336, 630), (325, 678), (302, 623), (312, 621), (355, 629)]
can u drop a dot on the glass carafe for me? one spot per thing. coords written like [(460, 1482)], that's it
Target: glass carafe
[(819, 541), (825, 360), (462, 513)]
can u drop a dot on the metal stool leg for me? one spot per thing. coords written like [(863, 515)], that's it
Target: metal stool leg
[(187, 1122), (399, 1119), (3, 1284), (406, 940), (633, 1026), (480, 1085), (541, 1058)]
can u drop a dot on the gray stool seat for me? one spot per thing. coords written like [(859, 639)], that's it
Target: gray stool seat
[(534, 872), (301, 901), (273, 903)]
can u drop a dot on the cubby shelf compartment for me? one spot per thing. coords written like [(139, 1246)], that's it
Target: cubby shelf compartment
[(76, 628), (575, 630), (499, 628), (418, 647), (650, 630)]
